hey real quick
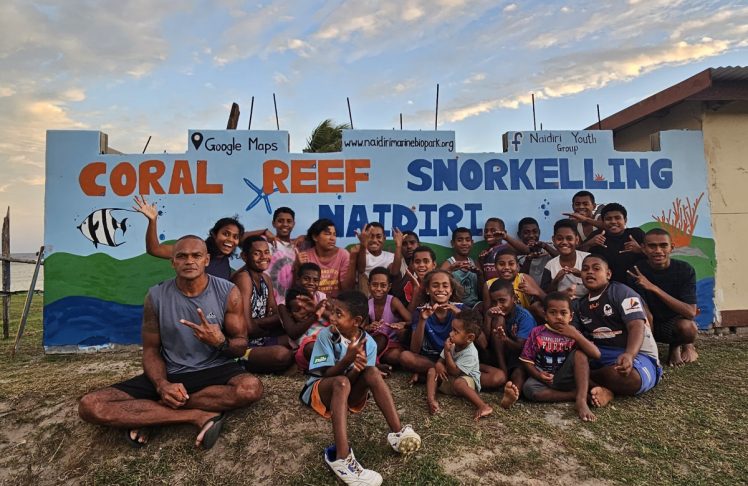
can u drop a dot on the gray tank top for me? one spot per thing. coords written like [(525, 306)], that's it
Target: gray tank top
[(181, 350)]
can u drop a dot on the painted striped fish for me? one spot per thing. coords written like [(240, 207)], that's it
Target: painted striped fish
[(100, 227)]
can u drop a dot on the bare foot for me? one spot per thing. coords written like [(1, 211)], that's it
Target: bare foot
[(433, 406), (674, 357), (511, 395), (585, 414), (483, 411), (688, 353), (600, 396)]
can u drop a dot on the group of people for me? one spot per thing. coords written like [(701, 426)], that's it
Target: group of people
[(573, 319)]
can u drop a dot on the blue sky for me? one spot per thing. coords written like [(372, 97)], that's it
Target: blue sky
[(138, 68)]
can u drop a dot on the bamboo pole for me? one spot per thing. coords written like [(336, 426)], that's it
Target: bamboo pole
[(27, 305), (6, 274)]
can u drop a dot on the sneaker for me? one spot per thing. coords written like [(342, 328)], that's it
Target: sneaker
[(405, 441), (349, 470)]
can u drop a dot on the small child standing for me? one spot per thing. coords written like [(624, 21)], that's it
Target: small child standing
[(344, 372), (388, 317), (556, 358), (458, 370), (464, 268)]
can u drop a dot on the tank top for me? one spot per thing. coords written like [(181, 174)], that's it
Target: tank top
[(219, 267), (259, 304), (388, 317), (181, 350)]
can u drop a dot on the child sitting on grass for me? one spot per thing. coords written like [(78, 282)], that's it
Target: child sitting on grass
[(344, 372), (556, 359), (458, 370), (388, 317)]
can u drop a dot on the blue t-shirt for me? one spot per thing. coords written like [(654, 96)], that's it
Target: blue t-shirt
[(329, 348), (435, 333), (523, 320)]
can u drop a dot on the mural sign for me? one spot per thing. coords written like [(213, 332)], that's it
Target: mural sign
[(97, 272)]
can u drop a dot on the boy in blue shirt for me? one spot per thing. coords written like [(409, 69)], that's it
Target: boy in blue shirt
[(343, 369)]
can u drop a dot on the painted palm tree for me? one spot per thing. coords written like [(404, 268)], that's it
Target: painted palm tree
[(327, 137)]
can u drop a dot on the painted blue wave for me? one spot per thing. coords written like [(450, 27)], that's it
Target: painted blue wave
[(86, 321), (705, 300)]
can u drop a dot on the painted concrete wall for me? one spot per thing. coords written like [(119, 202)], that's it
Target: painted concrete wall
[(725, 148)]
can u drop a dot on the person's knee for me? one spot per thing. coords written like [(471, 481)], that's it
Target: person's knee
[(249, 390), (283, 356), (529, 391), (686, 331), (341, 386), (90, 408)]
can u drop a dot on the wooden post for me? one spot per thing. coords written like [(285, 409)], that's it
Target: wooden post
[(27, 305), (6, 274), (233, 117)]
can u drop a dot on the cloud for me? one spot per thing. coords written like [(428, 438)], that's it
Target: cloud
[(511, 7)]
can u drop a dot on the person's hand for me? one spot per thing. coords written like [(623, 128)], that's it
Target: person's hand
[(599, 239), (501, 235), (501, 333), (624, 364), (270, 238), (374, 325), (426, 311), (364, 235), (173, 395), (578, 217), (354, 349), (321, 308), (631, 246), (441, 371), (210, 334), (450, 306), (298, 241), (360, 361), (398, 326), (546, 377), (449, 346), (568, 330), (149, 210), (397, 237), (641, 280), (496, 311), (528, 286)]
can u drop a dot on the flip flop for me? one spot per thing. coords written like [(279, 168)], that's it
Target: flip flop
[(211, 436), (142, 433)]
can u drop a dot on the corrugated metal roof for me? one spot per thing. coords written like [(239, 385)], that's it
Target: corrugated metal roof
[(730, 73)]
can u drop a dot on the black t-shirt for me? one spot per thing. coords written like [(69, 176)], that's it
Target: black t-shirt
[(619, 262), (678, 281)]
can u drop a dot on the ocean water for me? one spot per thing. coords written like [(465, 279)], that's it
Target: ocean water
[(21, 274)]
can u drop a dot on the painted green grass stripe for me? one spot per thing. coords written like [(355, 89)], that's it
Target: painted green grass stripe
[(102, 277)]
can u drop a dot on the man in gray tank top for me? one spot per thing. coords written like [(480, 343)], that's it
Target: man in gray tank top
[(193, 327)]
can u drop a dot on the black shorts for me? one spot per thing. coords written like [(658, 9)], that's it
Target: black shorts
[(563, 379), (140, 387), (663, 330)]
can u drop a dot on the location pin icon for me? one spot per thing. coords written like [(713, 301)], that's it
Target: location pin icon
[(197, 139)]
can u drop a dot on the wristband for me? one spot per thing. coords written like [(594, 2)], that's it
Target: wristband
[(224, 345)]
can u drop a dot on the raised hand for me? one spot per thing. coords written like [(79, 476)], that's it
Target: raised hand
[(578, 217), (599, 239), (206, 332), (631, 246), (527, 285), (641, 280), (397, 237), (149, 210)]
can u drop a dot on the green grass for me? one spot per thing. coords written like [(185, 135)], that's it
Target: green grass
[(689, 430)]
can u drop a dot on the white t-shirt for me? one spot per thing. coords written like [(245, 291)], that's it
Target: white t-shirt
[(384, 259), (554, 266)]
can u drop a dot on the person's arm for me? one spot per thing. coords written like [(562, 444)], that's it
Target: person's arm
[(350, 356), (596, 238), (271, 319), (363, 239), (625, 361), (416, 340), (347, 275), (397, 261), (243, 282), (531, 370), (152, 246), (449, 361), (295, 329), (530, 287), (583, 344), (154, 366), (517, 244), (681, 308), (401, 310), (234, 329)]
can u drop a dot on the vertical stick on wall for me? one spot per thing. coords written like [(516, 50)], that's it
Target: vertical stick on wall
[(350, 116), (599, 123), (251, 110), (534, 127), (27, 305), (275, 105), (401, 121), (6, 274), (233, 117), (436, 113)]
